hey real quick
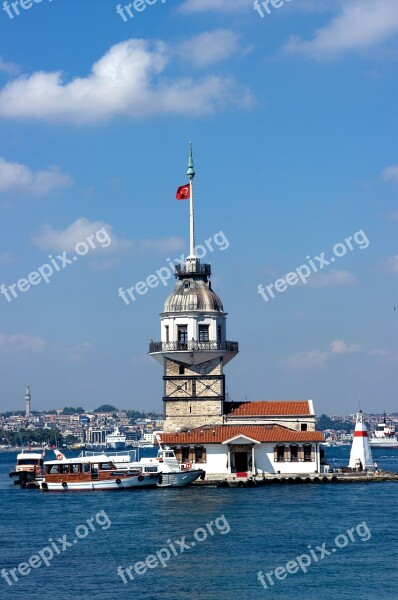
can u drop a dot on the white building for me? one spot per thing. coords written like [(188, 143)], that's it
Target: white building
[(282, 440)]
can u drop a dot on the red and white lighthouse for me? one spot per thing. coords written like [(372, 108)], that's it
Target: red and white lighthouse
[(361, 454)]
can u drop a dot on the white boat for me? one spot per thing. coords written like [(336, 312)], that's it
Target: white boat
[(385, 436), (87, 473), (116, 440), (29, 465), (167, 469)]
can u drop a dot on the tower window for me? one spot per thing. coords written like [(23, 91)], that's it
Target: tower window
[(167, 333), (219, 333), (181, 370), (303, 426), (203, 333), (182, 336)]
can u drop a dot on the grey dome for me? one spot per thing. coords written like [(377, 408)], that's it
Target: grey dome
[(193, 294)]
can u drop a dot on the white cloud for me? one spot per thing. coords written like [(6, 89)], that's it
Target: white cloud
[(209, 47), (61, 240), (392, 264), (8, 67), (7, 259), (390, 173), (226, 6), (129, 80), (78, 353), (340, 347), (16, 178), (315, 359), (360, 25), (66, 239), (332, 279), (21, 343)]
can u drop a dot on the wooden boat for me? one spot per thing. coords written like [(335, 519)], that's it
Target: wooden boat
[(91, 473), (169, 472)]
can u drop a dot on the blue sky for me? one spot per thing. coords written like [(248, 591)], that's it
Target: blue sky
[(293, 122)]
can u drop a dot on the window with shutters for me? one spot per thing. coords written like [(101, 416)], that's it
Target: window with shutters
[(294, 453), (184, 454), (307, 453), (200, 454), (280, 454)]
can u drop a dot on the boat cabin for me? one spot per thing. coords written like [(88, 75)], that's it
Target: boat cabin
[(76, 470)]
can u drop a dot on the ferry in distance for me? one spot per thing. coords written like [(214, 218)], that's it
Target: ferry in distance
[(385, 436)]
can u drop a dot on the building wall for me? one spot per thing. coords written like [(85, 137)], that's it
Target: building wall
[(217, 462)]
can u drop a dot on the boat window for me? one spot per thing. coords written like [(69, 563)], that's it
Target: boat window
[(85, 468), (151, 469), (64, 469), (52, 469), (28, 461), (105, 467), (169, 454), (74, 468)]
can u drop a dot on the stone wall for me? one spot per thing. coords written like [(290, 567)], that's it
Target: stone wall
[(192, 413)]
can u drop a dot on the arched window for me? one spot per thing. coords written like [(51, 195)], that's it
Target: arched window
[(308, 454), (279, 453), (294, 453)]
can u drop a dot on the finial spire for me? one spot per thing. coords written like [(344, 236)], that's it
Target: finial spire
[(191, 175), (191, 169)]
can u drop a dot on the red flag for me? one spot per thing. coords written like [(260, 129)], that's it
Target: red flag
[(184, 192)]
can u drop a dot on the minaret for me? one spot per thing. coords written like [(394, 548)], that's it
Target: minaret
[(27, 401), (361, 453), (193, 348)]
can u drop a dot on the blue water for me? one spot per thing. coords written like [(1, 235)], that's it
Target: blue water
[(269, 527)]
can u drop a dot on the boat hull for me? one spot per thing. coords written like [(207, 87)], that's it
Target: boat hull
[(179, 479), (104, 485)]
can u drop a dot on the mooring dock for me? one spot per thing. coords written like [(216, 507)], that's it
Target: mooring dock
[(313, 479)]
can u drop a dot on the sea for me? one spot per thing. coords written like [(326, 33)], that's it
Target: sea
[(296, 542)]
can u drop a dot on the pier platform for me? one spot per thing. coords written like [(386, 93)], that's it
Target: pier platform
[(310, 479)]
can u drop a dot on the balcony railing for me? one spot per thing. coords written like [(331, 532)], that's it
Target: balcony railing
[(193, 345), (184, 269)]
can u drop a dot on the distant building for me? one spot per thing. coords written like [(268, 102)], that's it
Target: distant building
[(28, 398)]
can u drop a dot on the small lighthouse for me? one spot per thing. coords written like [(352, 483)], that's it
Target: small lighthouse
[(27, 401), (361, 454), (194, 347)]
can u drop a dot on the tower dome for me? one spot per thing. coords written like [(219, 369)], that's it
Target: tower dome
[(193, 291)]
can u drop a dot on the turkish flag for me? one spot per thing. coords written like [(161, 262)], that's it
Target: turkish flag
[(184, 192)]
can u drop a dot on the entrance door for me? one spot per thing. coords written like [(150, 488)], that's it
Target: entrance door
[(241, 462)]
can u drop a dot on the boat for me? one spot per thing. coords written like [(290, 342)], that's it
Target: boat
[(29, 466), (385, 436), (87, 473), (165, 466), (116, 440)]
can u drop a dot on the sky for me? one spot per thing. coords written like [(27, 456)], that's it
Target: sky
[(291, 109)]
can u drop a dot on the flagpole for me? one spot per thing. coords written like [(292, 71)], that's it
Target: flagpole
[(191, 175)]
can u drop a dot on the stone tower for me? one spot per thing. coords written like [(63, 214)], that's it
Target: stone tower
[(27, 401), (193, 348)]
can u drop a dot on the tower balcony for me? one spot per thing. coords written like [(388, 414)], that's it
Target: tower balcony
[(193, 352), (192, 268)]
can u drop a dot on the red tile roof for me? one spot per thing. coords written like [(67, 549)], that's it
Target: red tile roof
[(260, 433), (268, 408)]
